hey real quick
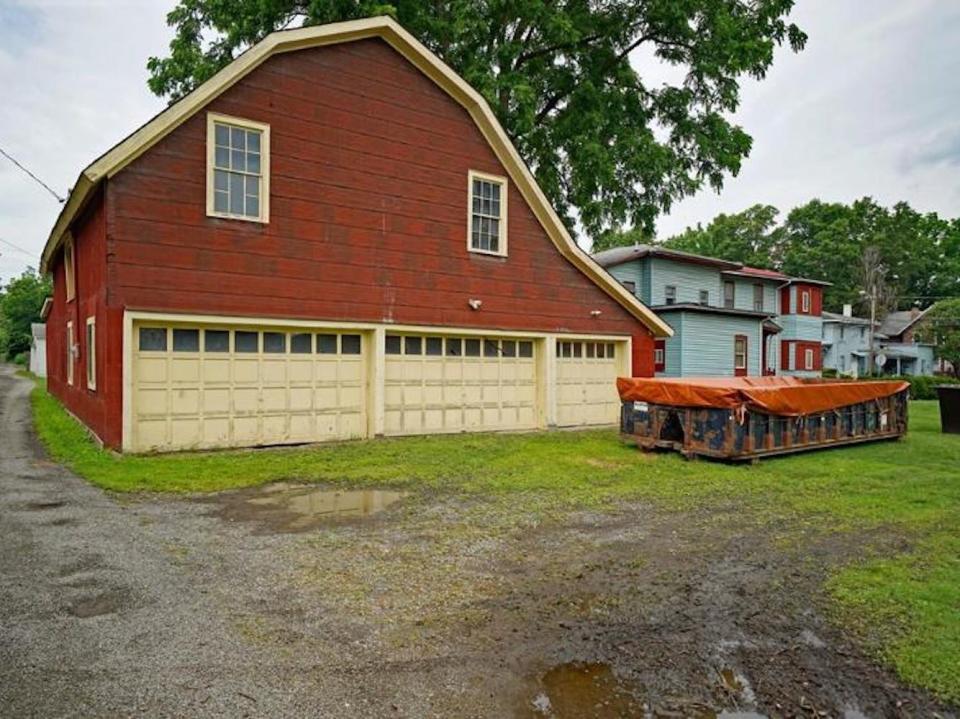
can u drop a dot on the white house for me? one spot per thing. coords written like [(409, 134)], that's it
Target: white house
[(38, 349)]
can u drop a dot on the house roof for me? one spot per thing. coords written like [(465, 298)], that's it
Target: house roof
[(844, 319), (619, 255), (387, 29), (896, 323), (39, 330)]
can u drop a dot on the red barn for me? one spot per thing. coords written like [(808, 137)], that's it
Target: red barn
[(331, 238)]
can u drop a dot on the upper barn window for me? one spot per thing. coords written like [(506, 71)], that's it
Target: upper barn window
[(487, 229), (238, 168)]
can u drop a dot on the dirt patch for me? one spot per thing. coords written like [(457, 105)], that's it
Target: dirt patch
[(287, 507), (110, 601), (41, 505)]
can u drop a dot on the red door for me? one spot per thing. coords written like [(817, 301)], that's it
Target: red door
[(740, 355)]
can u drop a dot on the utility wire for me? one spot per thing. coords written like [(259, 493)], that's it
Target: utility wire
[(29, 254), (36, 179)]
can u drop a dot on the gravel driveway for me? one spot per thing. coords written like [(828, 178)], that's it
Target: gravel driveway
[(117, 605)]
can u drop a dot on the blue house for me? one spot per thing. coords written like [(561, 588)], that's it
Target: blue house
[(728, 319), (846, 344)]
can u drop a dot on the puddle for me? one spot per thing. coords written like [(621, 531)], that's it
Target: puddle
[(289, 507), (583, 690)]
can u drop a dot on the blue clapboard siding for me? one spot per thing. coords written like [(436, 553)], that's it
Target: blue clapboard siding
[(633, 272), (801, 327), (688, 278), (702, 345)]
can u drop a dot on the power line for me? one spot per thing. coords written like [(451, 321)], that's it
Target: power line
[(28, 253), (36, 179)]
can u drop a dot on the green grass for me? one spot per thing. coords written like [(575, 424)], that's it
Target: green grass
[(906, 607)]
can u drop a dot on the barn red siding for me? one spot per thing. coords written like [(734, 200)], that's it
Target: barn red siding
[(369, 163), (99, 409)]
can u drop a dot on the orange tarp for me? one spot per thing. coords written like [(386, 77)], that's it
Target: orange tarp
[(786, 396)]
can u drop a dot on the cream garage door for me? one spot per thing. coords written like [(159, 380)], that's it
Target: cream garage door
[(206, 386), (458, 384), (587, 382)]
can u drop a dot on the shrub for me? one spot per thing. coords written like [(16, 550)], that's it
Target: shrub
[(922, 386), (22, 359)]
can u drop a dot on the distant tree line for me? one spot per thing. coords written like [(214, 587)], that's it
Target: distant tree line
[(905, 257), (20, 304)]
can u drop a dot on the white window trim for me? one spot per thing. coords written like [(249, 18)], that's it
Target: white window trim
[(745, 354), (264, 129), (658, 356), (91, 341), (808, 359), (70, 268), (502, 181), (71, 353), (805, 301)]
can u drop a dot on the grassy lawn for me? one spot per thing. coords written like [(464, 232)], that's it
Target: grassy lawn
[(906, 608)]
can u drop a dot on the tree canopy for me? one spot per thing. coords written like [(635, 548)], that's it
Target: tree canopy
[(908, 257), (20, 304), (607, 146), (941, 326)]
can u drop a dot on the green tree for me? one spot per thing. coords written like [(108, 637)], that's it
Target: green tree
[(941, 327), (750, 237), (607, 146), (20, 305)]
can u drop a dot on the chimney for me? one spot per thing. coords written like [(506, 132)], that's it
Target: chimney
[(848, 310), (914, 312)]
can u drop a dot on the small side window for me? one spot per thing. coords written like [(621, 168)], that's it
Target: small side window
[(327, 344), (670, 294), (91, 353), (454, 347), (216, 340), (509, 348), (434, 346), (153, 339), (350, 344), (487, 226), (393, 344), (491, 348), (472, 348), (69, 269), (301, 343), (526, 349), (186, 340), (413, 345), (246, 342), (275, 342)]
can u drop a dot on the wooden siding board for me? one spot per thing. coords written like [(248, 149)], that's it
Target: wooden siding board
[(673, 354)]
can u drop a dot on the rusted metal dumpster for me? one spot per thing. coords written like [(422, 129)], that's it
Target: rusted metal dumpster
[(746, 418)]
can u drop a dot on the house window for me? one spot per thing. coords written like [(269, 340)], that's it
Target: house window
[(487, 230), (91, 353), (670, 294), (729, 294), (630, 286), (660, 356), (70, 353), (758, 297), (153, 339), (808, 359), (842, 328), (69, 269), (704, 297), (238, 168), (740, 352), (805, 302)]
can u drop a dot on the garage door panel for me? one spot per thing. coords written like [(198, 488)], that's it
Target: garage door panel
[(184, 400), (586, 382)]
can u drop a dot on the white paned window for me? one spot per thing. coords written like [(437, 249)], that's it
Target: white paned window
[(70, 353), (238, 173), (805, 302), (91, 353), (808, 359), (487, 231)]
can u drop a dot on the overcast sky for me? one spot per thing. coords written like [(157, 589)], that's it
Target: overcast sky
[(871, 107)]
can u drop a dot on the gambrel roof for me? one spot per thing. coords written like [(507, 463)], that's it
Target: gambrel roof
[(387, 29)]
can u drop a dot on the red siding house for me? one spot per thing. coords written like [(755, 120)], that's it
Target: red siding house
[(331, 238)]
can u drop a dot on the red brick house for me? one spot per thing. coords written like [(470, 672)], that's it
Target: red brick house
[(331, 238)]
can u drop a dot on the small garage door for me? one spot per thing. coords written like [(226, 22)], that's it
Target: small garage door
[(205, 386), (587, 382), (458, 384)]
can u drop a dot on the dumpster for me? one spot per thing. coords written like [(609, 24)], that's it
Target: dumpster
[(949, 395), (746, 418)]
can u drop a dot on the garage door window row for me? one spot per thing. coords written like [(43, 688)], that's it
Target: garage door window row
[(415, 345), (588, 350), (157, 339)]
